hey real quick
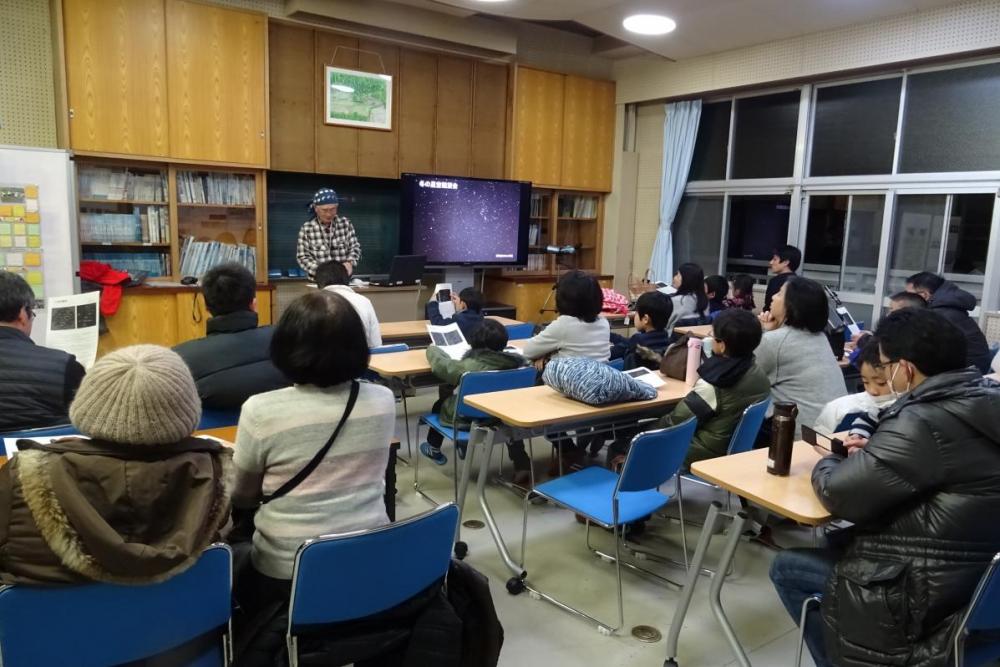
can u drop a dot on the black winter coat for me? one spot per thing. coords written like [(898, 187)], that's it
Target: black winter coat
[(954, 303), (37, 383), (924, 495)]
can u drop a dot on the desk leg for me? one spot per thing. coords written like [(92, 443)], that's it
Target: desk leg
[(693, 574), (484, 471), (715, 591), (406, 420)]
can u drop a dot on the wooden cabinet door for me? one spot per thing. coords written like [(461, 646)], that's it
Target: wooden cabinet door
[(116, 76), (538, 126), (378, 150), (417, 103), (453, 120), (216, 74), (489, 121), (293, 88), (336, 145), (588, 134)]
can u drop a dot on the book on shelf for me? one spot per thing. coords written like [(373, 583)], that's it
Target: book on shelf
[(578, 207), (197, 257), (122, 183), (154, 263), (539, 206), (199, 187), (534, 233), (145, 224), (536, 263)]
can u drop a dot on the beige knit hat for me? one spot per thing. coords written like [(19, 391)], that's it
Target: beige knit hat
[(141, 395)]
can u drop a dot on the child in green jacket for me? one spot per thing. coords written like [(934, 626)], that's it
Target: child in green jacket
[(487, 341)]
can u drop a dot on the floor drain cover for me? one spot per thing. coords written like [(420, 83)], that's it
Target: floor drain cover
[(646, 633), (474, 524)]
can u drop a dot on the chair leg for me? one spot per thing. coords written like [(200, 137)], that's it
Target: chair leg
[(631, 566), (802, 625), (406, 422), (524, 527), (416, 474), (680, 509), (618, 576)]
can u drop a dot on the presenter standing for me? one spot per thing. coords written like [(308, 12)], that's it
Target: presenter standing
[(327, 236)]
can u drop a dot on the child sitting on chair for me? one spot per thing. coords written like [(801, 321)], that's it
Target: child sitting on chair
[(865, 404), (742, 296), (716, 289), (487, 341), (652, 313), (468, 311)]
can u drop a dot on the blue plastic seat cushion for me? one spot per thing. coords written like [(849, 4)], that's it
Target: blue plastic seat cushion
[(591, 491), (434, 421)]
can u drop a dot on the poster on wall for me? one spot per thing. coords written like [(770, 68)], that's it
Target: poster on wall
[(358, 99), (21, 235)]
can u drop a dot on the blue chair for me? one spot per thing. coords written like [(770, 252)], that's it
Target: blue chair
[(617, 364), (386, 349), (520, 331), (111, 624), (339, 578), (476, 382), (975, 638), (218, 418), (612, 500)]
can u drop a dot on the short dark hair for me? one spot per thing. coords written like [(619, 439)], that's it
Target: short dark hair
[(717, 285), (489, 335), (790, 254), (806, 305), (739, 330), (743, 285), (921, 336), (228, 288), (320, 340), (579, 295), (926, 280), (472, 298), (869, 353), (658, 306), (909, 299), (331, 273), (15, 294)]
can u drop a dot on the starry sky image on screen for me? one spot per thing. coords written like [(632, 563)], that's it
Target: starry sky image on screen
[(477, 221)]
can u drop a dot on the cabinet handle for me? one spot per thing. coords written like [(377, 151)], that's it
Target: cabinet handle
[(72, 113), (262, 134)]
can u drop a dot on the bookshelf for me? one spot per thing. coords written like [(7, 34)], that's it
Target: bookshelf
[(171, 220), (563, 218)]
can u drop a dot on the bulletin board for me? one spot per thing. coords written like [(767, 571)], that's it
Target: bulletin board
[(21, 235)]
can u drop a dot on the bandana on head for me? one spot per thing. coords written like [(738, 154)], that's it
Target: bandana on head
[(323, 196)]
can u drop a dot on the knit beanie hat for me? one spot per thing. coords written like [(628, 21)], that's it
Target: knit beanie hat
[(141, 395)]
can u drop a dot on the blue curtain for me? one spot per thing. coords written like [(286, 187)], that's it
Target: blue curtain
[(680, 129)]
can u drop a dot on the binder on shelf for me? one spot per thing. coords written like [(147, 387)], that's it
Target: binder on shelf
[(216, 188), (197, 257)]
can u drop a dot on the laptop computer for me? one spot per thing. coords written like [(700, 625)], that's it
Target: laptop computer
[(404, 270)]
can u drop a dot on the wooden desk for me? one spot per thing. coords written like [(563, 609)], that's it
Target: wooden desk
[(409, 363), (698, 331), (417, 329)]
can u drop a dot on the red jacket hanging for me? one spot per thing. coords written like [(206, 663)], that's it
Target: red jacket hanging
[(111, 281)]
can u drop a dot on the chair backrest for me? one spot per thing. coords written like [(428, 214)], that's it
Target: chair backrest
[(984, 609), (847, 421), (748, 427), (218, 418), (344, 577), (520, 331), (484, 382), (110, 624), (386, 349), (655, 457), (617, 364)]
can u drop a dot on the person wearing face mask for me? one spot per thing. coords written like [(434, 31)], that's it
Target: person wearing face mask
[(876, 396), (327, 236), (922, 493)]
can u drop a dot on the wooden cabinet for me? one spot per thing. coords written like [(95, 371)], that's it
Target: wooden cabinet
[(453, 121), (116, 76), (216, 83), (336, 145), (564, 218), (292, 95), (563, 130), (532, 296), (417, 109), (489, 121)]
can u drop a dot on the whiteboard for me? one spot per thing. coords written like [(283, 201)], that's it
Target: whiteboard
[(53, 172)]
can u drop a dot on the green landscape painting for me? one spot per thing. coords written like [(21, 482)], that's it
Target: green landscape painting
[(358, 99)]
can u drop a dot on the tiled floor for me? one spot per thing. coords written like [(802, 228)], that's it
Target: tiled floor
[(558, 563)]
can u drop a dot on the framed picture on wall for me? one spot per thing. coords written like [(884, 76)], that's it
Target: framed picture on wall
[(358, 99)]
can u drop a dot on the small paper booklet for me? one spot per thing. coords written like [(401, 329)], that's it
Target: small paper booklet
[(445, 307), (643, 374), (10, 444), (450, 339)]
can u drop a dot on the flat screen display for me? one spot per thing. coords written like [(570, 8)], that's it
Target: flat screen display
[(464, 221)]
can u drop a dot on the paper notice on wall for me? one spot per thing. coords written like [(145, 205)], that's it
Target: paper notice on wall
[(450, 339), (442, 294), (72, 326)]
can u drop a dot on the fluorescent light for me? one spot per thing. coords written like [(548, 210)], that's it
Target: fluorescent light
[(341, 87), (649, 24)]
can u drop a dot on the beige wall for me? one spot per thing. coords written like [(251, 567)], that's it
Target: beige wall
[(649, 146), (27, 93)]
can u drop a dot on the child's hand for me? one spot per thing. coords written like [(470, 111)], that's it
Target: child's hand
[(855, 443)]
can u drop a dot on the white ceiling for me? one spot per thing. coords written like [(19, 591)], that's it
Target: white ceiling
[(703, 26)]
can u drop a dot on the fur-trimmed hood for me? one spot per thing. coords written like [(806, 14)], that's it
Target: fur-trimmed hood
[(78, 509)]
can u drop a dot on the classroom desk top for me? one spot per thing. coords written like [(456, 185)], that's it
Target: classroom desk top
[(746, 475), (417, 328), (409, 363), (535, 407), (698, 331)]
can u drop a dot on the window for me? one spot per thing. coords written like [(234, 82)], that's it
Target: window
[(712, 144), (698, 232), (757, 226), (854, 128), (968, 238), (764, 137), (952, 120), (842, 241)]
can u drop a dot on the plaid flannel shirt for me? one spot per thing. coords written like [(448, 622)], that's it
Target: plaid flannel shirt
[(318, 244)]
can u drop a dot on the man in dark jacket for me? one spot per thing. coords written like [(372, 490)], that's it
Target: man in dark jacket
[(37, 383), (921, 493), (233, 362), (953, 303)]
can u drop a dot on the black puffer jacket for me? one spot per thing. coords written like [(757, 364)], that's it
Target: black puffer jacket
[(924, 495), (954, 303)]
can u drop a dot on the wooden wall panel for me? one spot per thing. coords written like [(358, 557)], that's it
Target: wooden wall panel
[(588, 134), (417, 102), (292, 95), (216, 73), (489, 121), (116, 75), (538, 127), (377, 149), (336, 146), (453, 120)]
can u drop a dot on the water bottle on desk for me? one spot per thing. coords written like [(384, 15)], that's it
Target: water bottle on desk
[(779, 454)]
